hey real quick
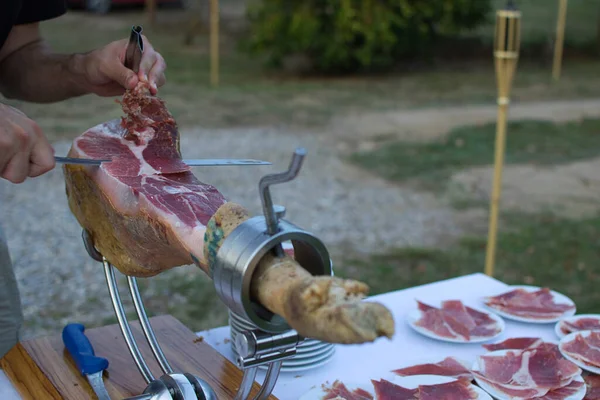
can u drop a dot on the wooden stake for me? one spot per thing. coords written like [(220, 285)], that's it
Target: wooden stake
[(214, 42), (560, 38)]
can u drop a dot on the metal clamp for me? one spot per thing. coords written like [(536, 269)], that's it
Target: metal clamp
[(257, 348), (170, 385), (241, 252)]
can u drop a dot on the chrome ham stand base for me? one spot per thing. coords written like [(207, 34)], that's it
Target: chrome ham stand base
[(236, 261)]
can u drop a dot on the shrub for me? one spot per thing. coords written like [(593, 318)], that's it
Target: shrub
[(352, 35)]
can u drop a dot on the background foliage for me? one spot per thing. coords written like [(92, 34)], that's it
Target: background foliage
[(350, 35)]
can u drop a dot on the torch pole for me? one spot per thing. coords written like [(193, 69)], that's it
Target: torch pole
[(560, 39), (214, 42), (506, 52)]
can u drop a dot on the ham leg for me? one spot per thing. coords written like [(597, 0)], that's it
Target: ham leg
[(147, 213)]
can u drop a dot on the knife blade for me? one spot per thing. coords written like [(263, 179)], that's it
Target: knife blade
[(88, 364), (191, 162)]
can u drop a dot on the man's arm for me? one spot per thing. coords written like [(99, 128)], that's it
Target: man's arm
[(31, 71)]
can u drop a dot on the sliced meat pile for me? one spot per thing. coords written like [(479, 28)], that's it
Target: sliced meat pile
[(584, 348), (339, 391), (537, 304), (519, 343), (580, 324), (457, 321), (456, 390), (531, 373), (449, 366), (592, 383)]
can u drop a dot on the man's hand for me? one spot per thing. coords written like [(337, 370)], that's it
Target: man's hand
[(24, 150), (107, 75)]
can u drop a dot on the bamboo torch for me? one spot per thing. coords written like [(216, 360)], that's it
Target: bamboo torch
[(214, 42), (560, 39), (506, 54)]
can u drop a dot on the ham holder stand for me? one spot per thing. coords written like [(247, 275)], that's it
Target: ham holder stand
[(271, 341)]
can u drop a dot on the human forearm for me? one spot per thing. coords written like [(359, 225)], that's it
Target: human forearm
[(37, 74)]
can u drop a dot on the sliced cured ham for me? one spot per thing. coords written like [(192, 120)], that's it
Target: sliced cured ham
[(339, 391), (537, 304), (386, 390), (538, 371), (456, 390), (580, 324), (514, 344), (449, 366), (584, 348), (564, 392), (592, 383), (147, 213), (455, 320)]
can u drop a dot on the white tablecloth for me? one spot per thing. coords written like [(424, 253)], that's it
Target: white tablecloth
[(355, 363)]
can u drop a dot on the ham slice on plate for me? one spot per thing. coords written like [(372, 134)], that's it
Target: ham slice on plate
[(578, 323), (455, 321), (592, 383), (427, 387), (531, 304), (535, 372), (449, 366), (518, 343), (339, 391), (583, 348)]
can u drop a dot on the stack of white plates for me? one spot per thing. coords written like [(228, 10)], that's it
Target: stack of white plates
[(310, 353)]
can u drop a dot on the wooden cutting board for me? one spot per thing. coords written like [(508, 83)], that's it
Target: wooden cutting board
[(42, 368)]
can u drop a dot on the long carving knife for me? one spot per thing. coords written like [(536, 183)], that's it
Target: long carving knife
[(201, 162), (88, 364)]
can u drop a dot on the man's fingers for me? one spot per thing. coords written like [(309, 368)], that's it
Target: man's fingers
[(17, 168), (42, 157), (117, 72)]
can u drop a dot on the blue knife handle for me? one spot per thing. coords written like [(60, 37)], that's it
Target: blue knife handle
[(81, 350)]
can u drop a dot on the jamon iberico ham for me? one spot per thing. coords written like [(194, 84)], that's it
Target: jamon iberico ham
[(519, 343), (536, 304), (147, 212), (449, 366), (579, 324), (585, 348), (537, 372), (456, 390), (339, 391), (455, 320)]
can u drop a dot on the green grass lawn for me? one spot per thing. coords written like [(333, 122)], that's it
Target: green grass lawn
[(541, 250), (529, 141)]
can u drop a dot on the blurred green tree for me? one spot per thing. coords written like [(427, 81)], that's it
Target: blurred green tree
[(352, 35)]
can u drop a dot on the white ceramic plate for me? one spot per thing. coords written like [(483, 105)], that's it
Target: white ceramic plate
[(557, 327), (405, 363), (410, 382), (501, 396), (558, 298), (580, 364), (414, 315)]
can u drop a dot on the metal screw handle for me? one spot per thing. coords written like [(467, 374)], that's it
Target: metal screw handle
[(273, 179)]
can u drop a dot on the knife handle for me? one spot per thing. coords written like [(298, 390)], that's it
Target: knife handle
[(81, 350)]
